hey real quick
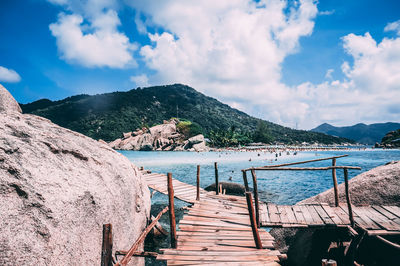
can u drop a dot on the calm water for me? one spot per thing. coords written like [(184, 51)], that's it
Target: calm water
[(282, 187)]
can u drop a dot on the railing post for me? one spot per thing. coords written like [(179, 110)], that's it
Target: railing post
[(216, 178), (335, 184), (346, 183), (253, 174), (106, 249), (172, 221), (254, 228), (246, 184), (198, 184)]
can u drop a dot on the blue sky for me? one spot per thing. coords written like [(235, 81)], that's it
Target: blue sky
[(289, 62)]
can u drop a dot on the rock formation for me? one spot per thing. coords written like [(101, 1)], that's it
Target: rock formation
[(57, 189), (164, 137), (380, 186)]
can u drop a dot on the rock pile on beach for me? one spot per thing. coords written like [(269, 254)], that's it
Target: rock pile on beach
[(164, 137), (57, 189)]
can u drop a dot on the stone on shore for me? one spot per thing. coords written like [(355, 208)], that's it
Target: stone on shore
[(163, 137), (231, 188), (57, 189)]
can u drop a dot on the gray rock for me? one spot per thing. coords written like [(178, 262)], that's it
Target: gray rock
[(231, 188), (196, 139), (378, 186), (57, 189), (200, 147), (115, 144), (127, 134), (7, 102)]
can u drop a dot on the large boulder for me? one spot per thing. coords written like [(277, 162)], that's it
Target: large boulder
[(378, 186), (57, 189), (7, 102)]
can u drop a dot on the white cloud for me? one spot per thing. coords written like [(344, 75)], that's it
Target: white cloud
[(229, 49), (394, 26), (369, 91), (328, 74), (90, 37), (140, 80), (9, 75), (326, 12)]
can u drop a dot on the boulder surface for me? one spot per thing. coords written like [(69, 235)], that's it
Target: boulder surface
[(7, 102), (57, 189)]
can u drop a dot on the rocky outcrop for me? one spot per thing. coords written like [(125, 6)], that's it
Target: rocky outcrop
[(57, 189), (164, 137), (378, 186), (7, 102)]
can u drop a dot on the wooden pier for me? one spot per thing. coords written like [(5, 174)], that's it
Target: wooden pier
[(215, 230), (218, 229)]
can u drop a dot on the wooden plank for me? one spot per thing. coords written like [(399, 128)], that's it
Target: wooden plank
[(306, 214), (342, 215), (290, 214), (299, 214), (263, 252), (323, 215), (273, 213), (314, 214), (369, 224), (283, 214), (388, 214), (216, 258), (393, 209), (331, 213), (380, 219)]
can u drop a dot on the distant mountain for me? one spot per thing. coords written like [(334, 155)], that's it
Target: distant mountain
[(361, 133), (107, 116)]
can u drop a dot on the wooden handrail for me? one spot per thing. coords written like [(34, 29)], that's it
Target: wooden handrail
[(304, 168), (125, 260), (302, 162)]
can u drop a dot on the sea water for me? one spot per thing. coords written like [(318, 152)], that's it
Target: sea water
[(280, 187)]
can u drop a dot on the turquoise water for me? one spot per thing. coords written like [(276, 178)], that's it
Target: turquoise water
[(282, 187)]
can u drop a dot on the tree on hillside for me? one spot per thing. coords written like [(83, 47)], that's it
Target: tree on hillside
[(261, 134)]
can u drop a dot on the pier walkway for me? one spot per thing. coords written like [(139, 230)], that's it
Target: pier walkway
[(215, 230)]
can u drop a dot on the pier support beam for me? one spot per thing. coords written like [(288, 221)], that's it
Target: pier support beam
[(216, 178), (254, 228), (198, 184), (106, 249), (335, 184), (172, 220)]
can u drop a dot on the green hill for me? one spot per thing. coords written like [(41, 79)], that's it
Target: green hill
[(106, 116)]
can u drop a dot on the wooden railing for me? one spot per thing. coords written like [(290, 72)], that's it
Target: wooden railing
[(106, 253), (280, 167)]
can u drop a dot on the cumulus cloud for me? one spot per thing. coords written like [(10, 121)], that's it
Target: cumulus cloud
[(140, 80), (89, 35), (230, 49), (368, 92), (9, 75), (394, 26)]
